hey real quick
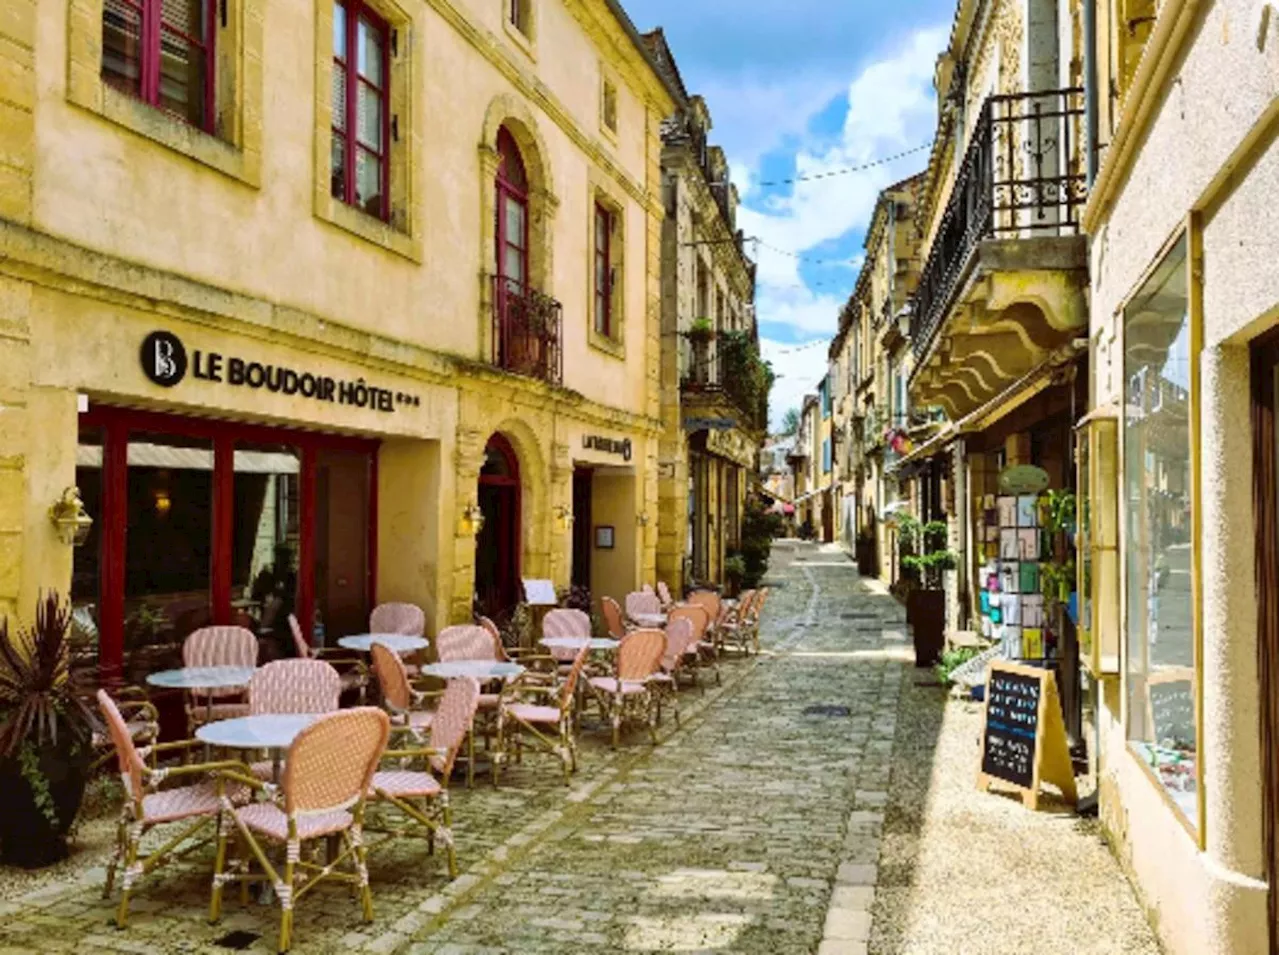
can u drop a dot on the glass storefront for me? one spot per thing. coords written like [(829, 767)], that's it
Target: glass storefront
[(1161, 661)]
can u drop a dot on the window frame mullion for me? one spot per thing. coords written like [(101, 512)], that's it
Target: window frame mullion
[(351, 11)]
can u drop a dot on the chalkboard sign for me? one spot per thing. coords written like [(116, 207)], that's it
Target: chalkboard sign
[(1172, 702), (1024, 741), (1009, 743)]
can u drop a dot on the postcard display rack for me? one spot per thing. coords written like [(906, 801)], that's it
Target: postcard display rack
[(1011, 604)]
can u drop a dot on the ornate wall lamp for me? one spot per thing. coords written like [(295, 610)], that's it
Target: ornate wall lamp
[(642, 519), (70, 518), (564, 517), (473, 518)]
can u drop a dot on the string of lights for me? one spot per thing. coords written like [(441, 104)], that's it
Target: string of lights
[(847, 170)]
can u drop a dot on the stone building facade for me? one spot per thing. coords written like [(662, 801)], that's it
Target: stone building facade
[(375, 283)]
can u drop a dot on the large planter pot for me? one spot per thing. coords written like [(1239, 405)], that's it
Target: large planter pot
[(926, 613), (27, 839)]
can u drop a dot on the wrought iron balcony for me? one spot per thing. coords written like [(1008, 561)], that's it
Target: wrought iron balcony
[(1022, 176), (526, 331), (727, 364)]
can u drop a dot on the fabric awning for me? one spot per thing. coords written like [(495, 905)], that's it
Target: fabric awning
[(145, 455)]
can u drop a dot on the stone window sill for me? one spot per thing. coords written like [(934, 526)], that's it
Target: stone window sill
[(372, 230), (607, 344), (151, 123), (515, 35)]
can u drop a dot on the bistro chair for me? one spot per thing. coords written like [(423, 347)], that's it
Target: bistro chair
[(532, 659), (327, 776), (147, 805), (565, 622), (664, 595), (538, 722), (753, 620), (734, 627), (699, 654), (354, 675), (629, 694), (402, 618), (422, 795), (294, 686), (711, 602), (679, 635), (614, 622), (467, 641), (218, 647), (639, 602), (403, 701), (141, 718)]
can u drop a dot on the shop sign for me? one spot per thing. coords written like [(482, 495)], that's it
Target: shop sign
[(732, 445), (165, 362), (710, 424), (597, 442), (1023, 479)]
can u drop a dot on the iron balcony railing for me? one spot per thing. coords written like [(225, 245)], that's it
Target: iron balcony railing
[(1022, 176), (526, 331)]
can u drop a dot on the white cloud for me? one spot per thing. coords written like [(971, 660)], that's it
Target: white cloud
[(798, 370)]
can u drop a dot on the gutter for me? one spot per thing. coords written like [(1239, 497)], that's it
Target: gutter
[(1176, 17)]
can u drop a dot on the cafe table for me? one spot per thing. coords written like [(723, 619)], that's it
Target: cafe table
[(397, 642), (197, 679), (577, 643), (479, 669), (651, 621), (271, 731)]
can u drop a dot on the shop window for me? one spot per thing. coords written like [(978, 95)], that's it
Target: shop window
[(1161, 674), (359, 164), (265, 541), (162, 53), (168, 548)]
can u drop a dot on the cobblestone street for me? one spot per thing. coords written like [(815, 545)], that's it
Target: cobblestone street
[(755, 826)]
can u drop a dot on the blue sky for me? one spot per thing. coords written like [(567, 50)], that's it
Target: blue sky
[(803, 87)]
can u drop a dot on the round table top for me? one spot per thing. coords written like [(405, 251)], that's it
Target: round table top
[(262, 731), (655, 620), (577, 643), (480, 669), (399, 642), (202, 678)]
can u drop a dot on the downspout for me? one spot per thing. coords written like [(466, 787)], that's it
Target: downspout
[(1090, 92)]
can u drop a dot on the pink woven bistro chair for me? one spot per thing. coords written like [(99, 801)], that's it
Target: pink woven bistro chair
[(294, 686), (327, 775), (565, 622), (218, 647), (353, 672), (711, 602), (141, 718), (629, 694), (403, 786), (534, 659), (147, 805), (405, 704), (733, 626), (614, 622), (467, 641), (402, 618), (753, 621), (699, 654), (519, 719), (639, 602), (666, 679), (664, 595)]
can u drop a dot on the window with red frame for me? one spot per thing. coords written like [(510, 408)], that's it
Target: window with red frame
[(359, 155), (162, 52), (604, 272)]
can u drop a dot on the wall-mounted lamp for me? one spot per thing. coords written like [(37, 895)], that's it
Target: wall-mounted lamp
[(473, 517), (163, 501), (70, 518), (642, 519), (564, 517)]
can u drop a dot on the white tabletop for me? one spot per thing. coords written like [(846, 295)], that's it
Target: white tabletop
[(657, 620), (399, 642), (480, 669), (263, 731), (577, 643), (202, 678)]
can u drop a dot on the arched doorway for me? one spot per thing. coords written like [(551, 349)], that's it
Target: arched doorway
[(497, 564)]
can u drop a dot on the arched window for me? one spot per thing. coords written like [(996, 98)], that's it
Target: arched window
[(513, 213)]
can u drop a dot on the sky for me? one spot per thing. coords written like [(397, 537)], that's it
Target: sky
[(801, 88)]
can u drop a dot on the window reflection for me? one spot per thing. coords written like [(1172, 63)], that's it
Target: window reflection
[(1161, 677), (264, 546)]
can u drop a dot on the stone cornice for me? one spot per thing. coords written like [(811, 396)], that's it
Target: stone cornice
[(56, 264)]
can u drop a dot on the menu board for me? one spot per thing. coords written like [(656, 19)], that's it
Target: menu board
[(1173, 710), (1009, 739), (1024, 741)]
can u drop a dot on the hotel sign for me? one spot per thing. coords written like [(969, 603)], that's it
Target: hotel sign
[(597, 442), (165, 362)]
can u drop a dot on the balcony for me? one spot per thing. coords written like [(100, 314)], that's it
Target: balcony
[(725, 369), (1003, 282), (526, 332)]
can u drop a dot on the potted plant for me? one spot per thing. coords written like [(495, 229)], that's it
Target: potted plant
[(46, 731), (735, 569), (702, 330), (924, 558)]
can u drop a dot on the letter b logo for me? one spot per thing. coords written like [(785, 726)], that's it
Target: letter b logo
[(164, 359)]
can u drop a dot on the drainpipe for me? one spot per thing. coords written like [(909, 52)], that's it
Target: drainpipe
[(1090, 92)]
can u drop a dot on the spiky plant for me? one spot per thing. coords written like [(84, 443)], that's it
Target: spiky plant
[(42, 701)]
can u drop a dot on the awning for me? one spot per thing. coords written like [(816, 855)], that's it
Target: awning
[(144, 455), (804, 497)]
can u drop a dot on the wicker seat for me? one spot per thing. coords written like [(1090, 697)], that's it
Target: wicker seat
[(565, 622), (519, 720), (699, 653), (640, 602), (147, 804), (613, 618), (218, 647), (679, 635), (629, 694), (402, 785), (327, 774), (353, 672), (292, 686), (405, 703), (734, 626)]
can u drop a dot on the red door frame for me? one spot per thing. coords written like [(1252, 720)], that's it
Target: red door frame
[(117, 423), (509, 541), (510, 188)]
